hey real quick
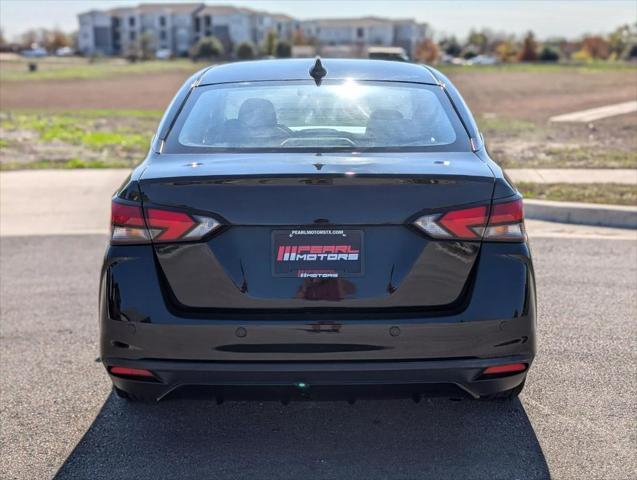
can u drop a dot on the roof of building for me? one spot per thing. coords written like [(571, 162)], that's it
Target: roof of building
[(232, 10), (157, 8), (173, 7), (298, 69), (356, 22)]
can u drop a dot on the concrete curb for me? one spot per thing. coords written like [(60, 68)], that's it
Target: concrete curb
[(582, 213)]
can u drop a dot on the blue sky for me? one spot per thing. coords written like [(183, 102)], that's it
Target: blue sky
[(546, 18)]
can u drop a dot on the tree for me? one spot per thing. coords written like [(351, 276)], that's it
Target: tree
[(298, 38), (268, 47), (529, 49), (507, 51), (451, 46), (146, 46), (478, 40), (206, 48), (283, 49), (426, 51), (549, 54), (597, 47), (618, 40), (31, 39), (245, 51), (58, 39)]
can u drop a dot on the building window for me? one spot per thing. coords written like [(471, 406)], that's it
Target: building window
[(132, 36), (162, 21), (360, 33), (197, 24), (207, 20), (162, 34), (131, 21)]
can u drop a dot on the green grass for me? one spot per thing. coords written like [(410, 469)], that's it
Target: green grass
[(609, 193), (75, 139), (70, 163), (73, 69), (571, 157), (494, 125), (81, 129)]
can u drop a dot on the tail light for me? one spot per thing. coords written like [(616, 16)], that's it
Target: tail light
[(131, 372), (503, 369), (132, 225), (505, 222)]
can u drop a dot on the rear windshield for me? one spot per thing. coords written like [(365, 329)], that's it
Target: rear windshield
[(344, 115)]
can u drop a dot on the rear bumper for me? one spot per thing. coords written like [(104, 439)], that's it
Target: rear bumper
[(456, 378), (414, 354)]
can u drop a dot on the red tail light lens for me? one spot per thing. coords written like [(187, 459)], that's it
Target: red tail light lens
[(500, 369), (129, 226), (168, 226), (131, 372), (504, 223)]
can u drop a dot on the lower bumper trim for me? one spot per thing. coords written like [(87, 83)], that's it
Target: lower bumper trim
[(321, 379)]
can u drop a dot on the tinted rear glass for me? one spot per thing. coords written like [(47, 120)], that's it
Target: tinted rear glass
[(345, 115)]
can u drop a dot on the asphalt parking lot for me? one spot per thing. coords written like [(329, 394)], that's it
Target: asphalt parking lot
[(576, 418)]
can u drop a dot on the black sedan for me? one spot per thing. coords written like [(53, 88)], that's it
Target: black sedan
[(308, 229)]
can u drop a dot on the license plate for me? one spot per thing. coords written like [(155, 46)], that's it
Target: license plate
[(317, 253)]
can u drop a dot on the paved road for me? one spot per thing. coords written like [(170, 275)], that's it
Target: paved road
[(576, 419)]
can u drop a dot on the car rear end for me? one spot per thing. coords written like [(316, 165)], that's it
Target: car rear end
[(311, 270)]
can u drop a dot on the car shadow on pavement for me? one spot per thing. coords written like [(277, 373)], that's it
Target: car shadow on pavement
[(436, 438)]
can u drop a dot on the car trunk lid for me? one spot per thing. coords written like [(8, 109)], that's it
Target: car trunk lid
[(332, 204)]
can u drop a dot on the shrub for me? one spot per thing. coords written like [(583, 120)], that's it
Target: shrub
[(451, 47), (283, 49), (245, 51), (207, 48), (549, 54), (426, 51)]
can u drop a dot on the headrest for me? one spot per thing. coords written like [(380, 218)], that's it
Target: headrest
[(384, 122), (257, 112)]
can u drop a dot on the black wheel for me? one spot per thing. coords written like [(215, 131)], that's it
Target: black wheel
[(129, 397), (507, 395)]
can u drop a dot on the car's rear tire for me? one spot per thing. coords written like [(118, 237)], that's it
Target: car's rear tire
[(129, 397), (507, 395)]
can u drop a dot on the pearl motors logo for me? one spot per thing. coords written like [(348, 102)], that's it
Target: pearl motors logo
[(317, 253)]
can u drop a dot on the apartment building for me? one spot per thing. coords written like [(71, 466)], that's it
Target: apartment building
[(168, 26), (178, 26), (233, 25)]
